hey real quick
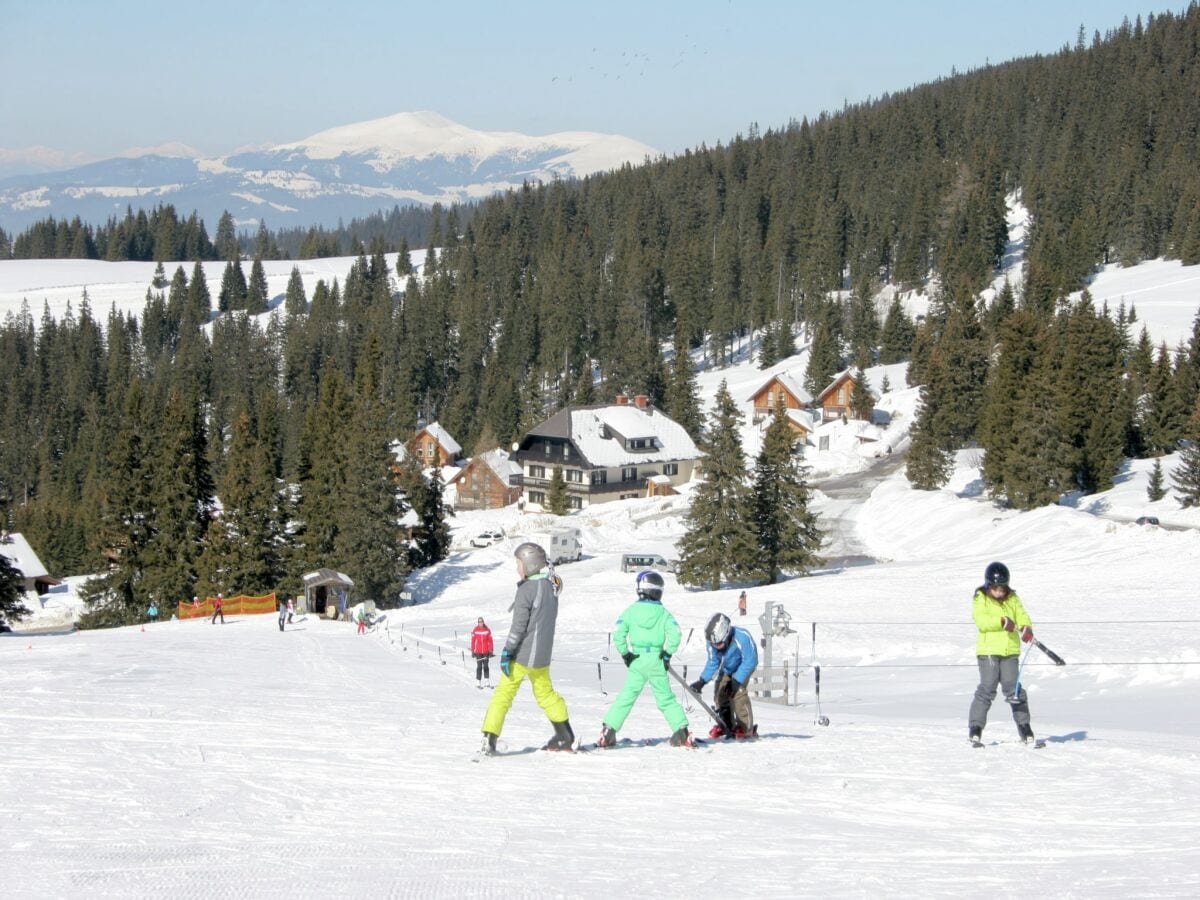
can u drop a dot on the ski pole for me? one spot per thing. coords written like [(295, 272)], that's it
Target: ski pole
[(1016, 694), (708, 709), (1058, 660), (600, 678)]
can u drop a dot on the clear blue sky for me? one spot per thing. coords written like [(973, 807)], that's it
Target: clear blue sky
[(95, 78)]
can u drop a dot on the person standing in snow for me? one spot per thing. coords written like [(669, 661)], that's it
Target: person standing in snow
[(732, 659), (527, 652), (291, 609), (646, 636), (283, 608), (152, 612), (482, 650), (742, 603), (218, 610), (1003, 625), (363, 619)]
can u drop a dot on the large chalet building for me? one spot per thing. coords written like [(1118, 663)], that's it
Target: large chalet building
[(628, 449)]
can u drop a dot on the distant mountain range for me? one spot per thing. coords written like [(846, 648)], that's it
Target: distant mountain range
[(352, 170)]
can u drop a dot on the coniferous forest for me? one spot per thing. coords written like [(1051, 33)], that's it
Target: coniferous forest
[(121, 433)]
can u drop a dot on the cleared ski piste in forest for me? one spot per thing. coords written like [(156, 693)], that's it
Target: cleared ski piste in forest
[(206, 760)]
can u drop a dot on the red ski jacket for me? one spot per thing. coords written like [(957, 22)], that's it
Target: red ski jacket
[(481, 641)]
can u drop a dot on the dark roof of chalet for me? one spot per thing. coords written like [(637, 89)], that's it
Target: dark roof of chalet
[(559, 424)]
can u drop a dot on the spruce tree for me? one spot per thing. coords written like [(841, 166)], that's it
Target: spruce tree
[(720, 538), (295, 301), (243, 552), (927, 466), (12, 606), (896, 339), (431, 542), (556, 494), (824, 361), (1154, 489), (681, 403), (786, 531), (1186, 476), (257, 294)]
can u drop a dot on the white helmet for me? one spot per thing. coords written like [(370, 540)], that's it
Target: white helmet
[(718, 628)]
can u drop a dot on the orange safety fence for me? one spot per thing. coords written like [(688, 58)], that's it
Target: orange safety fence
[(240, 605)]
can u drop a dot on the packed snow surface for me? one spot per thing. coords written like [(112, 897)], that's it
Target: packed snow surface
[(193, 759)]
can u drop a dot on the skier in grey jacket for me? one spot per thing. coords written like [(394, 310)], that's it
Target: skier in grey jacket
[(528, 650)]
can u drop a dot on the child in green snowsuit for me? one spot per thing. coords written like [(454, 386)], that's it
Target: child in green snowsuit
[(646, 635)]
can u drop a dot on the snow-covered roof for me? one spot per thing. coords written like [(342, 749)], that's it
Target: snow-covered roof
[(791, 384), (496, 460), (840, 377), (324, 575), (599, 434), (17, 549), (442, 436)]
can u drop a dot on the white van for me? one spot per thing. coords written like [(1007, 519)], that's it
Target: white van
[(641, 562), (561, 544)]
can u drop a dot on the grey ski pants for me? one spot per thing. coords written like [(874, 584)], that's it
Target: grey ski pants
[(995, 670)]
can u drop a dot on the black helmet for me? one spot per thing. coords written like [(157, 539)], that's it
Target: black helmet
[(718, 628), (532, 556), (650, 585), (996, 575)]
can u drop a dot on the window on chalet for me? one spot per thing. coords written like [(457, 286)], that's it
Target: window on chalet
[(537, 471), (600, 477), (670, 468), (575, 502), (537, 497), (629, 473), (639, 444), (574, 475)]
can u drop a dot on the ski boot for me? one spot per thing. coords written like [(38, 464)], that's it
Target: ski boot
[(975, 736), (1025, 732), (608, 737), (564, 737), (740, 733), (682, 738), (489, 744), (717, 732)]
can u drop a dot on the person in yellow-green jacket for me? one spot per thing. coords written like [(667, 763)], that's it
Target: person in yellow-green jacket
[(646, 636), (1003, 624)]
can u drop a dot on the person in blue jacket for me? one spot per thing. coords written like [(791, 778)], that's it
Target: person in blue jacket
[(732, 658)]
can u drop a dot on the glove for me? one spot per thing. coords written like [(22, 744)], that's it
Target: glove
[(1026, 634), (697, 686), (506, 662), (629, 658), (1007, 624), (666, 658)]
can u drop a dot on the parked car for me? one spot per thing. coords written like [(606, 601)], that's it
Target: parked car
[(1146, 520), (487, 538), (640, 562)]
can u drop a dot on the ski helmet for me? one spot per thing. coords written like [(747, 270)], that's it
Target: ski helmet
[(532, 556), (996, 575), (650, 585), (718, 628)]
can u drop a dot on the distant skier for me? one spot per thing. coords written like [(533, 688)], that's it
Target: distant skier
[(363, 618), (283, 612), (732, 658), (527, 652), (291, 609), (482, 650), (218, 610), (1003, 624), (646, 636), (152, 612), (742, 603)]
